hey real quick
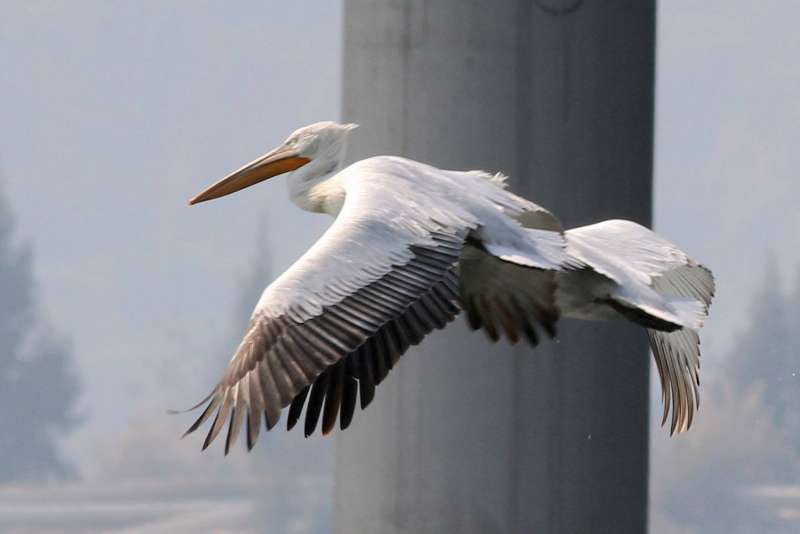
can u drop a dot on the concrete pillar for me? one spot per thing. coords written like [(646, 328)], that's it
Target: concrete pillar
[(465, 436)]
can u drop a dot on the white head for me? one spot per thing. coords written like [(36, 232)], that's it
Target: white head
[(310, 155)]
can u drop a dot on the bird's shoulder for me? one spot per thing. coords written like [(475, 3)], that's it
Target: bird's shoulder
[(389, 171)]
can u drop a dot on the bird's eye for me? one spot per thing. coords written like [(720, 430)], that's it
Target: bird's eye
[(292, 141)]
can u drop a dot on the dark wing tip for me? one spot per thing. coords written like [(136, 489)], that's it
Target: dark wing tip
[(230, 437), (214, 401), (349, 400), (314, 406), (296, 408), (196, 406), (219, 420)]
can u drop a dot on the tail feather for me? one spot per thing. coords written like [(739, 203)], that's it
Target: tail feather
[(677, 354), (655, 284)]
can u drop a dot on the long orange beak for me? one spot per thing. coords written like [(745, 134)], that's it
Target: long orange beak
[(277, 162)]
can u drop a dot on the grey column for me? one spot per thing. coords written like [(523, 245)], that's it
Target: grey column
[(465, 436)]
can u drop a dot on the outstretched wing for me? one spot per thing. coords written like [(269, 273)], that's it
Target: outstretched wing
[(384, 275), (356, 375), (677, 354), (340, 317), (655, 284), (501, 297)]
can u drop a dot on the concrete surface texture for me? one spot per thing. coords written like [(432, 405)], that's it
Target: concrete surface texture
[(465, 436)]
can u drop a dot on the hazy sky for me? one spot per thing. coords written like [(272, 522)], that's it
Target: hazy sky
[(115, 113), (728, 119), (726, 189), (121, 111)]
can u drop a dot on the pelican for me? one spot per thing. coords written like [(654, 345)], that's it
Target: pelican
[(410, 247)]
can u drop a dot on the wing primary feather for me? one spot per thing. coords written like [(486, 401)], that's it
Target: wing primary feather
[(407, 280), (206, 413), (508, 320), (314, 406), (422, 316), (349, 398), (424, 270), (424, 308), (288, 363), (450, 285), (381, 357), (272, 404), (441, 305), (547, 318), (396, 301), (315, 348), (412, 327), (344, 326), (658, 351), (333, 398), (530, 333), (366, 377), (400, 287), (489, 327), (316, 328), (438, 258), (352, 361), (473, 315), (398, 338), (296, 408), (527, 328), (237, 416), (367, 308), (420, 278), (447, 300), (254, 410), (307, 367), (280, 377), (219, 420)]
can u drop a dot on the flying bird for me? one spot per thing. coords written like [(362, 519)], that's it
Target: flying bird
[(411, 246)]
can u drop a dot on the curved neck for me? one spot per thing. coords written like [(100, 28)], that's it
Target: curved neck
[(314, 187)]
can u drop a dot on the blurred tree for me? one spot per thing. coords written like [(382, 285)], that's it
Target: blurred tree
[(705, 475), (38, 389), (767, 352), (747, 434)]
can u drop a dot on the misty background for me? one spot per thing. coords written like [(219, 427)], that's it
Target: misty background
[(118, 302)]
